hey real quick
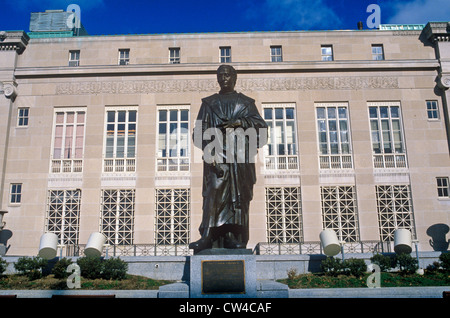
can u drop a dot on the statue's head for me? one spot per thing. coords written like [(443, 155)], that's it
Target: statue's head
[(226, 77)]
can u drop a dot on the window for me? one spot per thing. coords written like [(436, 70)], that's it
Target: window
[(68, 140), (15, 196), (443, 187), (334, 136), (124, 56), (117, 216), (387, 135), (120, 140), (394, 210), (339, 212), (327, 53), (172, 216), (283, 213), (173, 139), (63, 215), (174, 55), (377, 52), (74, 58), (281, 150), (432, 109), (22, 116), (225, 54), (276, 54)]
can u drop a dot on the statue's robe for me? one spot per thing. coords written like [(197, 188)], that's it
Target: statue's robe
[(228, 181)]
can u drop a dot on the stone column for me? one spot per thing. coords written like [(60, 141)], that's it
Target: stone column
[(438, 33), (12, 44)]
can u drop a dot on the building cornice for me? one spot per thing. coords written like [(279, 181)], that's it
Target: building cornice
[(437, 31), (211, 69), (13, 41)]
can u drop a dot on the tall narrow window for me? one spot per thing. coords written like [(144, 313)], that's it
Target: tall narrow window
[(327, 53), (22, 116), (120, 140), (443, 187), (63, 215), (387, 135), (334, 136), (15, 193), (172, 216), (173, 139), (281, 149), (174, 55), (68, 140), (377, 52), (339, 212), (225, 54), (283, 213), (276, 54), (117, 216), (432, 109), (74, 58), (124, 56), (394, 210)]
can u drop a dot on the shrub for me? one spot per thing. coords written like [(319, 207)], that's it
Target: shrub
[(406, 263), (355, 267), (3, 265), (385, 262), (332, 266), (60, 268), (114, 268), (90, 267), (94, 267), (444, 259), (32, 267)]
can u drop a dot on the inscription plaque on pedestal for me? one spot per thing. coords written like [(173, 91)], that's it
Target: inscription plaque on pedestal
[(223, 277)]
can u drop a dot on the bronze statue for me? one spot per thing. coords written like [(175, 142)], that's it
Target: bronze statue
[(231, 123)]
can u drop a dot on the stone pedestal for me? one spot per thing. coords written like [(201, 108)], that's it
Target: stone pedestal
[(223, 273)]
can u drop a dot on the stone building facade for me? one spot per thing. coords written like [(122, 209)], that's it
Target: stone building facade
[(95, 136)]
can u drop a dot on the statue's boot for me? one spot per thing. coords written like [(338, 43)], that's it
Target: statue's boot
[(231, 241), (201, 244)]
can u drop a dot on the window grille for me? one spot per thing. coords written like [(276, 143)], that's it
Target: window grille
[(443, 187), (172, 216), (339, 211), (394, 210), (117, 216), (63, 215), (284, 216)]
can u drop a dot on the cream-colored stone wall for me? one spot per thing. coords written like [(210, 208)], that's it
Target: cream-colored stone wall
[(45, 82)]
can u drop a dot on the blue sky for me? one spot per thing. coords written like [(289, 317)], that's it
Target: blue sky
[(193, 16)]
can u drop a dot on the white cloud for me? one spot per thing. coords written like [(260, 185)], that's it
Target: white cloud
[(295, 14), (420, 11)]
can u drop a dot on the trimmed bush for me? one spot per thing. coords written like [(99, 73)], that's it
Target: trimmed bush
[(32, 267), (385, 262), (444, 259), (406, 263), (94, 267), (90, 267), (60, 268), (332, 266), (114, 268), (355, 267), (3, 265)]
